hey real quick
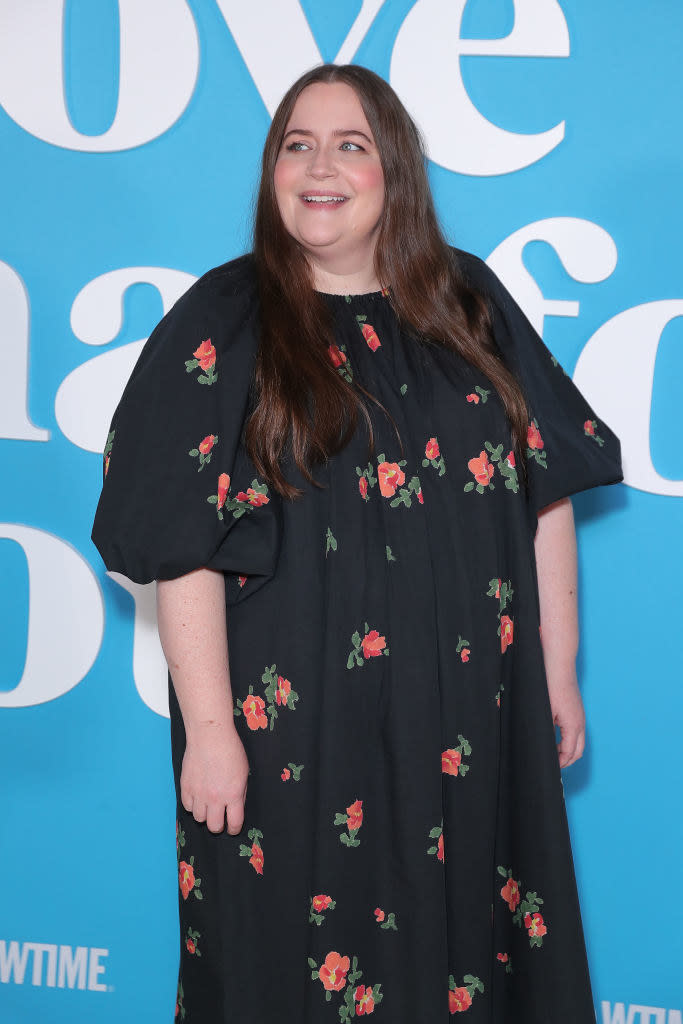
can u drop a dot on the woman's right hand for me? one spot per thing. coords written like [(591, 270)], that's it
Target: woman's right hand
[(213, 778)]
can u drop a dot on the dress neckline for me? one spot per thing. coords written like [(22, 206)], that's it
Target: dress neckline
[(355, 297)]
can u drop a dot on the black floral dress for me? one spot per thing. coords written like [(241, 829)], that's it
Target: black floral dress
[(405, 851)]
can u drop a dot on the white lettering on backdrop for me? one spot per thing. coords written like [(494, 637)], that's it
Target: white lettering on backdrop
[(15, 424), (87, 397), (65, 618), (159, 62), (426, 73), (150, 671)]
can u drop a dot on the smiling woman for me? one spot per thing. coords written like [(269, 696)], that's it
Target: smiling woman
[(342, 458)]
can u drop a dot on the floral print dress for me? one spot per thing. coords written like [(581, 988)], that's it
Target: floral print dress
[(405, 850)]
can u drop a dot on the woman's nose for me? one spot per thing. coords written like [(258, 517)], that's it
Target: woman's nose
[(321, 163)]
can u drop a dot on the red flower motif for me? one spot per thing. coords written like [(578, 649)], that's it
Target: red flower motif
[(206, 354), (321, 902), (364, 1000), (419, 497), (473, 398), (534, 924), (439, 848), (242, 580), (283, 688), (482, 468), (373, 644), (379, 914), (503, 957), (185, 878), (207, 444), (506, 631), (533, 437), (190, 946), (390, 477), (223, 486), (333, 972), (253, 708), (511, 460), (450, 761), (370, 335), (363, 487), (256, 859), (500, 583), (589, 427), (106, 464), (510, 893), (354, 813), (432, 448), (285, 774), (465, 654), (336, 355), (459, 999)]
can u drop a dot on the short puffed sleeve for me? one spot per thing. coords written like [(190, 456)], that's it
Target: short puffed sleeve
[(179, 491), (569, 448)]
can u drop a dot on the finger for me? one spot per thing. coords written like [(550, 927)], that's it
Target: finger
[(215, 818), (187, 801), (199, 812), (235, 816)]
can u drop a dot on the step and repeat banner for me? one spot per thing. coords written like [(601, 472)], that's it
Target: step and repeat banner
[(130, 134)]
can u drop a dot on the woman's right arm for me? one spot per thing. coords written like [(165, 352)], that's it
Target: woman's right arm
[(193, 633)]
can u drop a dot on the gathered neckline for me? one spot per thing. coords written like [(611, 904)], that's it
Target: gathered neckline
[(351, 297)]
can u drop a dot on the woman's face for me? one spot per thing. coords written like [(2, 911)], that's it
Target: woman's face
[(328, 178)]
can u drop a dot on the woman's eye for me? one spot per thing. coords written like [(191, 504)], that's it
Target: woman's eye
[(296, 147), (352, 146)]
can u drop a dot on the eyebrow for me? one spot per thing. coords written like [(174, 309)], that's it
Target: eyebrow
[(337, 132)]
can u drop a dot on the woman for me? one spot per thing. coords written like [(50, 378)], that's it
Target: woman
[(355, 442)]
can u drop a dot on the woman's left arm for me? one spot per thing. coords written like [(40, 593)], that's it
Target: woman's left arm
[(555, 545)]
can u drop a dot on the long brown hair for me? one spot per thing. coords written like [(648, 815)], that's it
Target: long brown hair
[(303, 406)]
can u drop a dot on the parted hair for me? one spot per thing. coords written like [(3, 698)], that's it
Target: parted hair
[(303, 407)]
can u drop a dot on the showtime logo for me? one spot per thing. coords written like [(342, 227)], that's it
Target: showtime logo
[(638, 1014), (53, 966)]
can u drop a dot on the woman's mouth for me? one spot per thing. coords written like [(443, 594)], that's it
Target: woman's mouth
[(323, 198)]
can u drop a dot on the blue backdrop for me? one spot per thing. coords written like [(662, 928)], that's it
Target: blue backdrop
[(130, 134)]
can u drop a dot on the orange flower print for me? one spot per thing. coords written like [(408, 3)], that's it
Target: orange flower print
[(373, 644), (534, 924), (252, 497), (333, 972), (533, 436), (510, 459), (503, 957), (420, 497), (283, 689), (364, 1000), (535, 445), (241, 580), (254, 712), (432, 449), (205, 359), (363, 488), (473, 398), (256, 859), (385, 921), (525, 910), (336, 355), (450, 761), (187, 879), (319, 904), (590, 428), (463, 649), (285, 774), (353, 819), (204, 451), (390, 477), (370, 335), (255, 851), (460, 996), (223, 488), (206, 354), (459, 999), (278, 693), (465, 654), (506, 631), (437, 833), (355, 815), (510, 893), (191, 942), (379, 914), (207, 444), (482, 469)]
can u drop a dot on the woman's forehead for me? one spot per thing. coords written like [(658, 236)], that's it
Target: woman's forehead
[(328, 106)]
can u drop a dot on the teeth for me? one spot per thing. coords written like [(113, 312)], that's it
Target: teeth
[(324, 199)]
